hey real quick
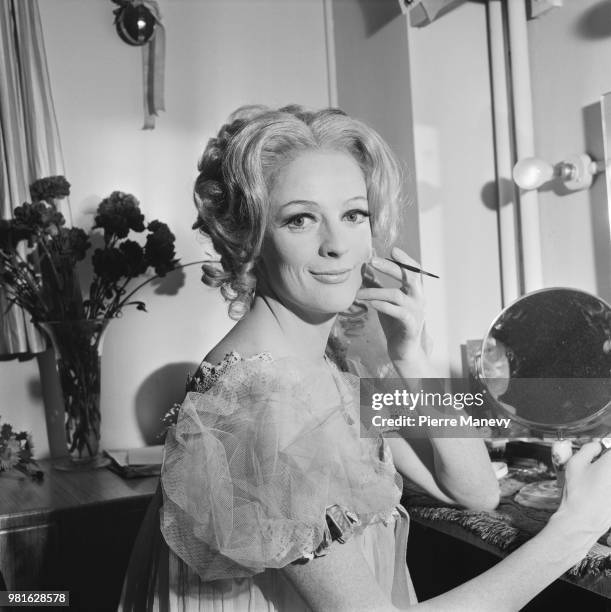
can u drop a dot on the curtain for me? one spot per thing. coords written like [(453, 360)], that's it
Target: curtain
[(29, 141)]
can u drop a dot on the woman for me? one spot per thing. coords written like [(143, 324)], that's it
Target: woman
[(270, 498)]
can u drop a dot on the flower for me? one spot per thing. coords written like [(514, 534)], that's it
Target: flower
[(109, 265), (159, 249), (77, 243), (38, 218), (9, 454), (134, 257), (16, 451), (49, 188), (43, 280), (117, 214)]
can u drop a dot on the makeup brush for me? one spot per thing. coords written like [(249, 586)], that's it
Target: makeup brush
[(411, 268)]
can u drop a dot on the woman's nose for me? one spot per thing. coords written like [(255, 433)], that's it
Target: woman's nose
[(333, 240)]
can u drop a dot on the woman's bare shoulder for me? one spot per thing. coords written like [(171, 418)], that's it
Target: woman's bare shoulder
[(240, 340), (249, 337), (225, 347)]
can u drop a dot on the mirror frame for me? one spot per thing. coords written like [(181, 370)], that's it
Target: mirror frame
[(579, 427)]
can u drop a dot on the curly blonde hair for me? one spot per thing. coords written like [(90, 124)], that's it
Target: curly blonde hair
[(237, 172)]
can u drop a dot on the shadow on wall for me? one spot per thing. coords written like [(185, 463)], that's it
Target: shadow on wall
[(495, 194), (595, 23), (599, 198), (377, 13), (156, 395)]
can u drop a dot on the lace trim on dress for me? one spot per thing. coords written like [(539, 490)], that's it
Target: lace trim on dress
[(208, 374)]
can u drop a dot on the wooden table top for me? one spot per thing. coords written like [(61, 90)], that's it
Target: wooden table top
[(24, 501)]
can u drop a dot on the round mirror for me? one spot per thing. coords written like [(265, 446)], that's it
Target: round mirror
[(546, 363)]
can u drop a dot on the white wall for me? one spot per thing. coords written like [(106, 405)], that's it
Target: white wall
[(454, 171), (220, 54), (570, 51)]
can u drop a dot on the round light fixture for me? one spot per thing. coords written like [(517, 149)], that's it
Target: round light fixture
[(135, 23)]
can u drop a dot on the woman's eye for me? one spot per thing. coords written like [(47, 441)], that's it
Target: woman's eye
[(357, 216), (300, 221)]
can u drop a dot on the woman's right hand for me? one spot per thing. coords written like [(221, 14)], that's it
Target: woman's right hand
[(586, 498)]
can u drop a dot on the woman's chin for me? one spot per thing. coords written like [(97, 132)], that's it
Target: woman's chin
[(335, 306)]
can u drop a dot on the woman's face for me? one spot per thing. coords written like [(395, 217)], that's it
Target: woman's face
[(319, 234)]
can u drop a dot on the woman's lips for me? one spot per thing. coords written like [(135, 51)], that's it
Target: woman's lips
[(332, 277)]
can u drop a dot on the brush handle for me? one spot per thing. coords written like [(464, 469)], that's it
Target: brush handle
[(412, 268)]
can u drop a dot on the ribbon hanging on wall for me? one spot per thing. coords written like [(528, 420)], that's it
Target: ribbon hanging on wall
[(138, 23), (153, 70)]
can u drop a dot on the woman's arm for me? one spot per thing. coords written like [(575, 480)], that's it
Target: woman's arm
[(342, 580), (454, 470)]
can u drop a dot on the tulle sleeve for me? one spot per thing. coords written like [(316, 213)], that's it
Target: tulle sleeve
[(253, 466)]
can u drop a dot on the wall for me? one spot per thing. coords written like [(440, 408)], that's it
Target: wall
[(455, 172), (219, 55), (570, 51), (453, 139)]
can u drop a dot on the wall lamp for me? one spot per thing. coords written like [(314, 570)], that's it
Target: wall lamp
[(576, 172)]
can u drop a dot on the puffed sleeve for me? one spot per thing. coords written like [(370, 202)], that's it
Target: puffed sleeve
[(253, 465)]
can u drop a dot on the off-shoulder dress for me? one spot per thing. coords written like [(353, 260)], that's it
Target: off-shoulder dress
[(266, 466)]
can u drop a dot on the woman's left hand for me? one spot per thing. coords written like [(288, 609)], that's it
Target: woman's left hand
[(400, 310)]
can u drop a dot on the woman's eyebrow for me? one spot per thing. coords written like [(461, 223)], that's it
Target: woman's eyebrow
[(312, 203), (306, 202)]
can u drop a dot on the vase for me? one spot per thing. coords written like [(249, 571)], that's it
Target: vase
[(77, 347)]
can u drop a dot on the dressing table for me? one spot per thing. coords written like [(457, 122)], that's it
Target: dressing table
[(72, 532)]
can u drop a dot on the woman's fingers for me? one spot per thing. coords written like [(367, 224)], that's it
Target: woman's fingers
[(392, 310), (395, 296), (586, 454), (411, 281), (369, 278)]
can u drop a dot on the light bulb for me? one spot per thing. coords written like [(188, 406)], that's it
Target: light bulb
[(531, 172)]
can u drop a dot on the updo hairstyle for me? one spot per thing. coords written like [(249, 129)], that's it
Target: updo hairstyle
[(237, 172)]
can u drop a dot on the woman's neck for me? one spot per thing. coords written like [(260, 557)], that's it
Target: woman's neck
[(284, 331)]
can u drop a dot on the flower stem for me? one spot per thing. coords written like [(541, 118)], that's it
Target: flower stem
[(148, 280)]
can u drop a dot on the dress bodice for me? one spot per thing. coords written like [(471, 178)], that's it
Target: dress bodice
[(265, 459), (264, 466)]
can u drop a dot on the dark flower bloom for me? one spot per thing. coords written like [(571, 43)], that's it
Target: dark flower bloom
[(134, 255), (31, 218), (16, 450), (159, 248), (49, 188), (109, 264), (43, 280), (29, 215), (52, 219), (118, 213), (78, 242)]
